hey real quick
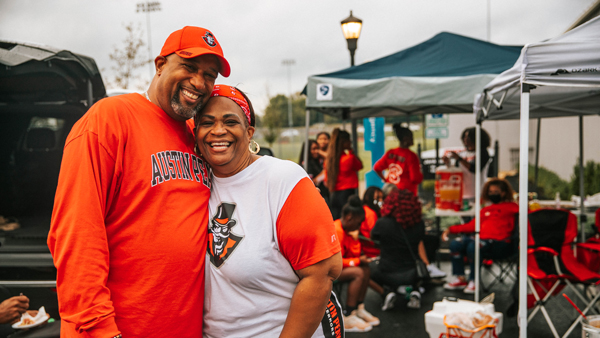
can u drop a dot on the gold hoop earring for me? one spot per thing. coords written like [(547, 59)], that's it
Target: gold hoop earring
[(256, 145), (197, 151)]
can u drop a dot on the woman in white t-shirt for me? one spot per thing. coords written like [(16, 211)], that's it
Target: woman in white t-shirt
[(272, 250)]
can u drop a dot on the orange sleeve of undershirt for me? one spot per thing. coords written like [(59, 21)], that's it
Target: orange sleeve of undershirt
[(305, 230)]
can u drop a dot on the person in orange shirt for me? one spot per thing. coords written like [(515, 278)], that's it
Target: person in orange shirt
[(128, 233), (402, 165), (372, 202), (341, 167), (356, 269)]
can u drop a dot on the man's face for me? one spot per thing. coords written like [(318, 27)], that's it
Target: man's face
[(184, 85)]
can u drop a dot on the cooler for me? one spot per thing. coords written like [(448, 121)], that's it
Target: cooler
[(434, 319), (448, 188)]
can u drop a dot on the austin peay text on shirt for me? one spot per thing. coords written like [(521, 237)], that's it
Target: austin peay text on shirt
[(176, 165)]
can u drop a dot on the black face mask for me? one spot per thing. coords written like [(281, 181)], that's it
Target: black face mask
[(495, 198)]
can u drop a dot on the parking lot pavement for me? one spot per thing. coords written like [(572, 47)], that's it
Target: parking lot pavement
[(404, 322)]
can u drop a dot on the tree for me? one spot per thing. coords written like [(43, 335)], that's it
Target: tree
[(276, 113), (129, 58), (591, 179)]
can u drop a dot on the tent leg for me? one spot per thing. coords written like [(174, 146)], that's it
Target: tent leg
[(477, 207), (306, 147), (581, 182), (437, 163), (354, 137), (523, 206), (537, 152), (496, 158)]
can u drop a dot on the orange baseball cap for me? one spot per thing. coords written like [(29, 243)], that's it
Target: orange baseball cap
[(191, 41)]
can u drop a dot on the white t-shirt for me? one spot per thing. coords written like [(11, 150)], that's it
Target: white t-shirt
[(264, 223)]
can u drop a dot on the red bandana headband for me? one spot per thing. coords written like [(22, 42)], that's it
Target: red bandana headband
[(235, 95)]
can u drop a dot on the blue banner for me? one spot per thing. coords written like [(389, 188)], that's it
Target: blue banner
[(374, 142)]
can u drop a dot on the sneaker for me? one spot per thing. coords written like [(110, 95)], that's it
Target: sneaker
[(470, 289), (415, 300), (389, 301), (366, 316), (434, 272), (354, 324), (456, 284)]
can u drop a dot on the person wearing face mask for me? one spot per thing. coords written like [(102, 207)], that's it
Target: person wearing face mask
[(497, 224)]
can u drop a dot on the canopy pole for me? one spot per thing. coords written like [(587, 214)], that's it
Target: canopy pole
[(537, 152), (306, 147), (523, 208), (496, 157), (354, 137), (581, 181), (437, 163), (477, 206)]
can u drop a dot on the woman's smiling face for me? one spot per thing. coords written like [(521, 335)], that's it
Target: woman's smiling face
[(223, 135)]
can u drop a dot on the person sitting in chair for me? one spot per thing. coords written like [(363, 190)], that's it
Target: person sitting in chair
[(497, 224)]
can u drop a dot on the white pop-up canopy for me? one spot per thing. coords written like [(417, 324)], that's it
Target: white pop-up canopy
[(557, 77)]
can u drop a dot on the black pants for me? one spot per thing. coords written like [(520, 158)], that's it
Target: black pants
[(394, 279), (337, 200)]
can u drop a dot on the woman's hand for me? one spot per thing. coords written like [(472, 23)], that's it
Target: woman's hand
[(311, 297), (364, 260), (445, 235)]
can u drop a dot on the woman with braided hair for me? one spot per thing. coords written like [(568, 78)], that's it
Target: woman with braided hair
[(400, 223)]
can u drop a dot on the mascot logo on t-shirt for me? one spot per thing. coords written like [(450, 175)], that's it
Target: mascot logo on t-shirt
[(221, 241), (394, 173)]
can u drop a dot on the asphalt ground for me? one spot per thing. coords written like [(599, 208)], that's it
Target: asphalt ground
[(397, 322), (404, 322)]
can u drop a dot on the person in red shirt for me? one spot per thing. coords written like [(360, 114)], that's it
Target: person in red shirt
[(497, 224), (341, 167), (356, 269), (402, 165), (128, 233)]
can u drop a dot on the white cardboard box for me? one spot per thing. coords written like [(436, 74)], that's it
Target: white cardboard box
[(434, 319)]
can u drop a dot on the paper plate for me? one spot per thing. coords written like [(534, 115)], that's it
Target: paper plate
[(18, 325)]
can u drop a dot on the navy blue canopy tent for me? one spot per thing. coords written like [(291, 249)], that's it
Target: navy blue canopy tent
[(440, 75)]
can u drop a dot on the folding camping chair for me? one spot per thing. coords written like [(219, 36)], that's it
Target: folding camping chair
[(552, 264), (503, 269)]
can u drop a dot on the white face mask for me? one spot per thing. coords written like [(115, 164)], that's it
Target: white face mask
[(378, 203)]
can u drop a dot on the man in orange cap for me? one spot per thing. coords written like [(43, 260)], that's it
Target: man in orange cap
[(129, 225)]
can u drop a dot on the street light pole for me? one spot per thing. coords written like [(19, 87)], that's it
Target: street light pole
[(148, 7), (351, 27), (289, 63)]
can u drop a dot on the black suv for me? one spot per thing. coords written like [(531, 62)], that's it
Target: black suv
[(43, 92)]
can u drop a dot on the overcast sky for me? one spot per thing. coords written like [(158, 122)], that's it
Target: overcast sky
[(258, 35)]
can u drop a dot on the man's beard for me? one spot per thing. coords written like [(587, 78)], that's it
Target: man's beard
[(181, 110)]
